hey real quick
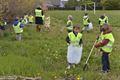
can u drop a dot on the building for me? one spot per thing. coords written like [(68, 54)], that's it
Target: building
[(56, 3)]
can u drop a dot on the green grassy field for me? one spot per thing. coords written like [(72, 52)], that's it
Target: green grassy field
[(44, 54)]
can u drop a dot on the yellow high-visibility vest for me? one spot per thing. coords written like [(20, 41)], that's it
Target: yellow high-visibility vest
[(102, 21), (74, 40), (85, 21), (31, 19), (17, 28), (38, 13), (69, 25), (108, 47)]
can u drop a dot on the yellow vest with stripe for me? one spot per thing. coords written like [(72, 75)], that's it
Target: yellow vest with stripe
[(17, 28), (108, 47), (38, 13), (102, 21), (74, 40), (85, 21), (70, 25)]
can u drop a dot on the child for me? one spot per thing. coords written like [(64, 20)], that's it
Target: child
[(47, 22), (31, 19), (74, 41), (86, 22), (18, 28), (105, 44), (69, 25), (102, 20)]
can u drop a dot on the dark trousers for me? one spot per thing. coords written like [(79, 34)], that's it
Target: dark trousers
[(105, 61)]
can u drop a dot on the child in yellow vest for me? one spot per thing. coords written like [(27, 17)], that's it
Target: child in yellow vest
[(69, 25), (18, 28), (74, 41), (31, 19), (105, 44)]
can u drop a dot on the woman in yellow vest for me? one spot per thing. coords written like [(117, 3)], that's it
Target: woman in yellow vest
[(105, 44), (74, 41), (39, 17)]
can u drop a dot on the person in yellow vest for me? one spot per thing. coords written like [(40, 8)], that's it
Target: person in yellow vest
[(74, 41), (47, 22), (105, 44), (18, 28), (86, 22), (31, 19), (39, 18), (69, 25), (102, 20)]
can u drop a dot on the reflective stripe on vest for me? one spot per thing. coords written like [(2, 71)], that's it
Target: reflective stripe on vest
[(69, 25), (38, 13), (85, 22), (17, 28), (108, 47), (102, 21), (74, 40)]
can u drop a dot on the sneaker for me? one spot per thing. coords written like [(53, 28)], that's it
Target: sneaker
[(103, 72), (68, 67)]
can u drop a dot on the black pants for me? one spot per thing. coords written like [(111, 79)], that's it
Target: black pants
[(105, 61)]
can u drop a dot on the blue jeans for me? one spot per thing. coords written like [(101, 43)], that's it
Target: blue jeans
[(105, 61)]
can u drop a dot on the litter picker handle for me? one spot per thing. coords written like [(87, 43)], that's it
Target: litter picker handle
[(90, 52), (85, 66)]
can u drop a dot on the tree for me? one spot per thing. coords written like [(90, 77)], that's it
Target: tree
[(72, 3), (110, 4), (103, 3)]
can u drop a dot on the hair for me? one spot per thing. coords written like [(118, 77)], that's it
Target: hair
[(86, 14), (76, 26), (70, 17), (107, 27), (102, 16)]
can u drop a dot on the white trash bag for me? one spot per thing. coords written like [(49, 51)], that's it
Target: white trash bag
[(90, 26), (74, 54)]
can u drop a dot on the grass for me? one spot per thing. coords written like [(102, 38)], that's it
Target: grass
[(44, 54)]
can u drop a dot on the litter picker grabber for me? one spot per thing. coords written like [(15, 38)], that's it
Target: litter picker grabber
[(86, 63)]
